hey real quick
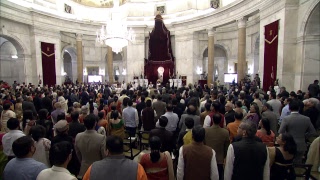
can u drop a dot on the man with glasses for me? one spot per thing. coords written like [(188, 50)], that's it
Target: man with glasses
[(247, 159)]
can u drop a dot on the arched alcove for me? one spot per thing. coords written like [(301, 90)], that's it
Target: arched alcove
[(12, 65), (256, 56), (311, 54), (118, 66), (69, 59), (220, 62)]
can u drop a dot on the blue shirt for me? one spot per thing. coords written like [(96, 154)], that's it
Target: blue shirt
[(130, 116), (23, 169), (285, 112)]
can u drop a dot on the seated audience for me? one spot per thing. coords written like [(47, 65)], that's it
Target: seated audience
[(156, 164), (23, 167)]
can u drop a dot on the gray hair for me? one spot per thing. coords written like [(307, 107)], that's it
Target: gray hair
[(249, 127)]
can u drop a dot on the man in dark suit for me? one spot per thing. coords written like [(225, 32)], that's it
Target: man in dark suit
[(271, 116), (314, 89), (283, 92), (28, 105), (298, 126), (167, 140), (84, 96), (140, 106), (218, 139), (47, 102), (147, 117)]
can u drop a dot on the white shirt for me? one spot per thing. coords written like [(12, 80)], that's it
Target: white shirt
[(55, 173), (8, 140), (214, 174), (207, 122), (229, 165), (42, 151), (173, 120)]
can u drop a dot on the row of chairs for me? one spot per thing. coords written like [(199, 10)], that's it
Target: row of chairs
[(134, 145)]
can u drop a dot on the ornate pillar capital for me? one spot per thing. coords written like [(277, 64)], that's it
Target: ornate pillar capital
[(211, 31), (79, 37), (242, 22)]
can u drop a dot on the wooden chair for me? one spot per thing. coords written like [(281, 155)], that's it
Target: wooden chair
[(143, 139), (303, 170), (128, 146)]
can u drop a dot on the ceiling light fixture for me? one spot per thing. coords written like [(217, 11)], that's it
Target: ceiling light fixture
[(115, 33)]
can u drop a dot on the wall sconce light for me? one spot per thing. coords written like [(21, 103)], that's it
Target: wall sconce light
[(101, 72), (14, 57), (85, 73), (199, 70), (64, 74), (124, 71)]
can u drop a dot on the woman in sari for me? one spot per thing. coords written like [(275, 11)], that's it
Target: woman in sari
[(116, 125)]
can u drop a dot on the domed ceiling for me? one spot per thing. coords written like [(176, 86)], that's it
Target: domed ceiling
[(99, 3)]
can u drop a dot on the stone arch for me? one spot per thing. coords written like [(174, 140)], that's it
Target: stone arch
[(69, 62), (306, 18), (12, 68), (310, 61), (220, 63)]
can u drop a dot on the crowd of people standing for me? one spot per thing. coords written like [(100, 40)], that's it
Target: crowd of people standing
[(76, 131)]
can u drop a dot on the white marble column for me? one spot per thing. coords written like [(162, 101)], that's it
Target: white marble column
[(185, 55), (241, 48), (210, 78), (135, 55), (79, 58), (110, 64)]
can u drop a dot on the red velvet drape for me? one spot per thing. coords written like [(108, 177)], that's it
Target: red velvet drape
[(151, 70), (270, 54), (48, 64)]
